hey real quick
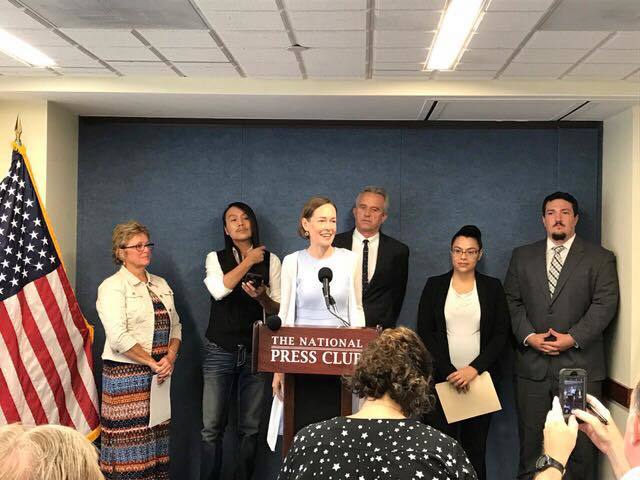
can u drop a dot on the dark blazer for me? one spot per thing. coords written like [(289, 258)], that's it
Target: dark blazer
[(494, 323), (583, 304), (383, 299)]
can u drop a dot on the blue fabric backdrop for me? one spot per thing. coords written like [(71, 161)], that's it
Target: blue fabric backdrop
[(177, 178)]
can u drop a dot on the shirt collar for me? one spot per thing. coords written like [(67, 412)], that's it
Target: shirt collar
[(132, 279), (360, 238), (566, 245)]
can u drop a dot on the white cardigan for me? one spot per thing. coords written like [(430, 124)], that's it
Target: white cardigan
[(288, 278)]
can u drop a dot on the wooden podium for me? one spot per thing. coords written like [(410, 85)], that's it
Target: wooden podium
[(310, 350)]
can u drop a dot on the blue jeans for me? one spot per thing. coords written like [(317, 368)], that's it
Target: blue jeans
[(221, 369)]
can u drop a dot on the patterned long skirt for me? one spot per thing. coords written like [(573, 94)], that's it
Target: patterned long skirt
[(130, 449)]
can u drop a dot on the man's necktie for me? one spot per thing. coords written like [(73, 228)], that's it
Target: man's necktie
[(365, 265), (555, 268)]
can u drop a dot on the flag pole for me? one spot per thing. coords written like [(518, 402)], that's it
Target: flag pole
[(18, 131)]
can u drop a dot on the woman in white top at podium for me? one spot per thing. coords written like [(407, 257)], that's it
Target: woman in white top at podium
[(302, 302)]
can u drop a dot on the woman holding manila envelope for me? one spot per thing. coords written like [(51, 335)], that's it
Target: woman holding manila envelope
[(463, 319)]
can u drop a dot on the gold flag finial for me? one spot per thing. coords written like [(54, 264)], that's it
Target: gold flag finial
[(18, 130)]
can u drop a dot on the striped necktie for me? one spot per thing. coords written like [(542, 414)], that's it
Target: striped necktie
[(555, 268)]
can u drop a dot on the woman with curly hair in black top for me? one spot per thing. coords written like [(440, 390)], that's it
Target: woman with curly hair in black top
[(384, 440)]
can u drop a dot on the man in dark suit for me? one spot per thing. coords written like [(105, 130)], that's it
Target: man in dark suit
[(383, 261), (562, 294)]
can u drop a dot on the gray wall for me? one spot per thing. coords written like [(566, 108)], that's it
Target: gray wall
[(177, 177)]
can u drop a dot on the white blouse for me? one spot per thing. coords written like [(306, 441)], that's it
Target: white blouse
[(462, 315)]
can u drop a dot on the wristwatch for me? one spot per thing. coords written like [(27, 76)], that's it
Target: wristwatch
[(545, 461)]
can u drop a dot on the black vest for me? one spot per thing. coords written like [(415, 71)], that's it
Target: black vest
[(231, 318)]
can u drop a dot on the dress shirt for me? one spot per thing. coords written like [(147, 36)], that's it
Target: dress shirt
[(563, 254), (356, 247), (549, 257), (214, 279), (126, 311), (633, 474)]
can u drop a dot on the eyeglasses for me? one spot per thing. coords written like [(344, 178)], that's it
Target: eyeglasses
[(470, 252), (139, 246)]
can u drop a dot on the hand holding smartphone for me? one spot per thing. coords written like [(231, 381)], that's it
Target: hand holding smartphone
[(573, 390)]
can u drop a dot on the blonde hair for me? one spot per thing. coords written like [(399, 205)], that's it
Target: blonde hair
[(122, 233), (46, 452), (311, 206)]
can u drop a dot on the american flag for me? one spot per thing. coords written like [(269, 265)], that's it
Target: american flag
[(46, 367)]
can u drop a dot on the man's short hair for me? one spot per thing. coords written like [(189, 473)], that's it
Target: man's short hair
[(379, 191), (560, 196)]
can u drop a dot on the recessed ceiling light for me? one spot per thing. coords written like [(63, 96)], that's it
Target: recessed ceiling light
[(22, 51), (459, 20)]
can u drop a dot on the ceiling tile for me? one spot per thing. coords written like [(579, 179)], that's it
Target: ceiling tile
[(508, 21), (337, 70), (338, 39), (410, 66), (183, 38), (40, 37), (332, 56), (242, 5), (85, 72), (624, 40), (417, 55), (466, 75), (143, 68), (505, 109), (264, 55), (549, 55), (139, 53), (26, 72), (322, 5), (608, 70), (519, 5), (207, 69), (250, 38), (615, 56), (461, 67), (348, 20), (69, 57), (410, 4), (14, 18), (400, 74), (599, 110), (496, 40), (546, 70), (583, 40), (7, 61), (194, 54), (407, 20), (247, 20), (102, 37), (256, 69), (400, 38), (486, 56)]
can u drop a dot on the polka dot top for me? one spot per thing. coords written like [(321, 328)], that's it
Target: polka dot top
[(368, 449)]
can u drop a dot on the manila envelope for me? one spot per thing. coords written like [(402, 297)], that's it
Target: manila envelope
[(480, 399)]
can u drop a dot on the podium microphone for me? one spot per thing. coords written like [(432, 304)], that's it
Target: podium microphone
[(273, 322), (325, 275)]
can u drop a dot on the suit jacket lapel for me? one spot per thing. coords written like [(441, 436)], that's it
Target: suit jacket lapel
[(481, 287), (573, 258), (540, 267), (350, 240), (379, 258)]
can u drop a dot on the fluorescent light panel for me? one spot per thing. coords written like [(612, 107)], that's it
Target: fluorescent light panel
[(459, 19), (22, 51)]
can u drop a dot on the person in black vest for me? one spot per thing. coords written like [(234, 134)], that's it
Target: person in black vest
[(244, 282), (382, 278)]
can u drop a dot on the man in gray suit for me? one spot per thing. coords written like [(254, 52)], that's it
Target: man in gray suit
[(562, 294)]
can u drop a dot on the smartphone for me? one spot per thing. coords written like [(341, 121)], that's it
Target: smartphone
[(573, 389), (254, 278)]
